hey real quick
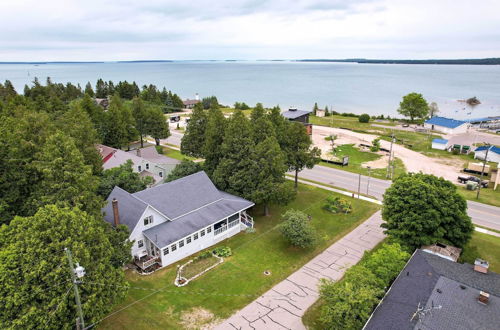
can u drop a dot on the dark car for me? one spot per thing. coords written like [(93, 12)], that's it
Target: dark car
[(174, 119), (464, 179)]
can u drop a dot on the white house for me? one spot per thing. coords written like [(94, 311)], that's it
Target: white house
[(173, 220), (493, 153), (146, 161), (440, 144), (446, 125)]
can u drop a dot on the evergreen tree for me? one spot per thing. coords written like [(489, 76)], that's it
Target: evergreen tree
[(327, 113), (270, 179), (120, 123), (89, 90), (214, 137), (34, 274), (101, 89), (298, 149), (194, 138), (315, 108), (95, 113), (237, 169), (64, 177), (185, 168), (141, 118)]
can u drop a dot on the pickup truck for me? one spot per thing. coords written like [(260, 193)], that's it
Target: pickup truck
[(464, 179)]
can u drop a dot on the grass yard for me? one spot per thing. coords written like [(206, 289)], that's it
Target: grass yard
[(488, 248), (421, 142), (240, 279), (176, 154), (486, 195), (345, 122), (358, 157), (197, 266)]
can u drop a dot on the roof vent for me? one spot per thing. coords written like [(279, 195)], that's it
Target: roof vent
[(292, 109), (481, 266), (483, 298)]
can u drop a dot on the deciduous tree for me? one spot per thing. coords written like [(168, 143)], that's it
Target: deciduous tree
[(123, 177), (157, 126), (185, 168), (414, 106), (297, 229)]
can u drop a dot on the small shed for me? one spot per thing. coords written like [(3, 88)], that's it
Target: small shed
[(440, 144), (320, 112)]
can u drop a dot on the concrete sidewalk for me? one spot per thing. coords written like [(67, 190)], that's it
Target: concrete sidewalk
[(283, 306)]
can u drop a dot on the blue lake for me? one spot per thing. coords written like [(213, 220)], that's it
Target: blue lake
[(359, 88)]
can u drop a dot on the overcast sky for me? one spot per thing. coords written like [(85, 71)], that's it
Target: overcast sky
[(87, 30)]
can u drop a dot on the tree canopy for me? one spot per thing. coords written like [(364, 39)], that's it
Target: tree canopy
[(421, 209), (193, 141), (414, 106), (123, 177), (297, 229), (185, 168)]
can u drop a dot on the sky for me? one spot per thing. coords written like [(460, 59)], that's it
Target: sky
[(111, 30)]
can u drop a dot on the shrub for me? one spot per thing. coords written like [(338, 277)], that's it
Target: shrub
[(375, 145), (222, 251), (159, 149), (337, 205), (297, 230), (204, 255), (364, 118)]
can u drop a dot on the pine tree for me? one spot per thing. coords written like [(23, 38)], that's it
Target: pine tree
[(315, 108), (101, 90), (95, 113), (237, 168), (89, 90), (194, 138), (141, 117), (214, 137), (120, 124)]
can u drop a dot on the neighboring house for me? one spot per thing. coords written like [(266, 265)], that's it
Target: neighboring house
[(301, 116), (485, 122), (446, 125), (104, 102), (176, 219), (320, 112), (151, 164), (440, 144), (433, 292), (189, 104), (493, 153)]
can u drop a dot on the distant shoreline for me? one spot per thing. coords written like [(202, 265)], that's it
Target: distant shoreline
[(471, 61)]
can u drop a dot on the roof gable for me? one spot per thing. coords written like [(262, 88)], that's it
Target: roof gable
[(445, 122), (129, 208), (181, 196)]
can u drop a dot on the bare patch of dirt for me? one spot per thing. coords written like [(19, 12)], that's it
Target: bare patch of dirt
[(378, 163), (198, 318)]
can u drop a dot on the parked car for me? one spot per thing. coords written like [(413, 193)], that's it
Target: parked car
[(174, 119), (465, 179), (406, 125)]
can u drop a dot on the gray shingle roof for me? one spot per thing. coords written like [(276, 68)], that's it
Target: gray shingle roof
[(416, 284), (129, 208), (172, 231), (150, 153), (295, 113)]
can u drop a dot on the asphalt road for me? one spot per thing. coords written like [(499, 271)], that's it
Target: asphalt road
[(481, 214)]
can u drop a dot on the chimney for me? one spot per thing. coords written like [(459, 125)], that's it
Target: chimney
[(483, 298), (481, 266), (116, 214), (138, 152)]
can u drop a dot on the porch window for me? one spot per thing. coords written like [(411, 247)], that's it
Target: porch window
[(234, 217), (181, 243), (140, 243), (165, 251), (202, 233), (195, 236), (173, 247), (188, 240), (209, 229)]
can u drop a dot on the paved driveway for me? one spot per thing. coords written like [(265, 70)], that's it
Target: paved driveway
[(283, 306)]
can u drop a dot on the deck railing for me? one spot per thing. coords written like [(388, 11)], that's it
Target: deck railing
[(148, 262), (234, 223), (246, 220), (220, 230)]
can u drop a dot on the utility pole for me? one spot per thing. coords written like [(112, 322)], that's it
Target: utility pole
[(390, 155), (359, 185), (482, 171), (368, 183), (76, 273)]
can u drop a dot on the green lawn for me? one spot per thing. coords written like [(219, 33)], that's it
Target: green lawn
[(416, 141), (488, 248), (176, 154), (346, 122), (486, 195), (240, 279), (358, 157)]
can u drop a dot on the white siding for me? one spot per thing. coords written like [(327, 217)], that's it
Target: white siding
[(457, 130), (137, 235), (439, 146), (492, 156)]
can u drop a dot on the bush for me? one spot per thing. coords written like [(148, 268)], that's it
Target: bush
[(348, 303), (375, 145), (204, 255), (159, 149), (337, 205), (222, 251), (364, 118), (297, 230)]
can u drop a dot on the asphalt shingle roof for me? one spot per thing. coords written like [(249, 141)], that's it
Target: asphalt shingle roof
[(295, 113), (416, 284), (129, 208), (445, 122), (150, 153)]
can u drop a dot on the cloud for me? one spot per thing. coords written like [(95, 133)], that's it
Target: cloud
[(246, 29)]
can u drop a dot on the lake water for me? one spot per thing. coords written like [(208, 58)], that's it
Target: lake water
[(345, 87)]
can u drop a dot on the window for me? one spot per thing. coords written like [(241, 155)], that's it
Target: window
[(181, 243), (160, 174), (148, 220), (195, 236), (147, 166), (234, 217), (140, 243), (209, 229), (139, 168), (165, 251), (202, 233), (173, 247), (188, 240)]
